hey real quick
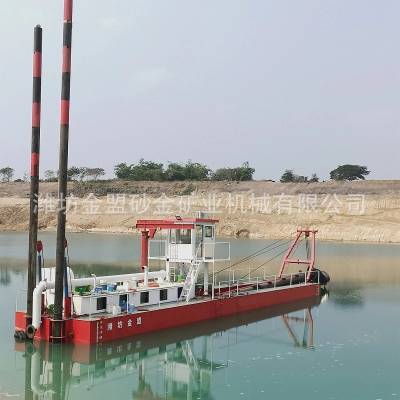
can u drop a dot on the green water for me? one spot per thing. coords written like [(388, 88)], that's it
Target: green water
[(346, 347)]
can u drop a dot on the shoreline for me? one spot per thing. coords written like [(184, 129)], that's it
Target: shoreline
[(343, 212), (137, 234)]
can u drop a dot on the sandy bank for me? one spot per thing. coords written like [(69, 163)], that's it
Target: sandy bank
[(354, 211)]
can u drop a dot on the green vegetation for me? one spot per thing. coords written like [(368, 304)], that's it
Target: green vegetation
[(290, 176), (186, 172), (50, 175), (190, 171), (76, 173), (6, 174), (143, 171), (243, 173), (82, 173), (50, 310), (349, 172)]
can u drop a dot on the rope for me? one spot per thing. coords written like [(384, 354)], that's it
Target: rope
[(259, 252), (266, 262), (255, 254), (261, 265)]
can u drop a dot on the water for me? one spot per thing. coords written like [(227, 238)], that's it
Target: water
[(347, 347)]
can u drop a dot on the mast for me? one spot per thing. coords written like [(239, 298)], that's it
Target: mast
[(63, 166), (35, 150)]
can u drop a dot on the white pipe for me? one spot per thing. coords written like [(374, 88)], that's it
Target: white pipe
[(37, 302), (118, 278), (35, 374), (44, 285), (146, 276)]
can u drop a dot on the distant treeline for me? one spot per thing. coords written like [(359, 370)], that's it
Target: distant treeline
[(76, 173), (346, 172), (189, 171)]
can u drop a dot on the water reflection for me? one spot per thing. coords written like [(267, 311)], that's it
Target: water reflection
[(176, 364), (308, 330), (347, 297), (5, 277)]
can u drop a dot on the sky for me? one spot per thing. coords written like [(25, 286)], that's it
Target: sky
[(306, 85)]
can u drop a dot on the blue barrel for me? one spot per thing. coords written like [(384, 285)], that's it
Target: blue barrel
[(111, 287)]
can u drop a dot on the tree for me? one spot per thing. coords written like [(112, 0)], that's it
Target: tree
[(73, 173), (288, 176), (7, 174), (147, 171), (122, 171), (314, 178), (175, 172), (243, 173), (349, 172), (143, 171), (49, 175), (82, 173), (196, 171), (95, 173)]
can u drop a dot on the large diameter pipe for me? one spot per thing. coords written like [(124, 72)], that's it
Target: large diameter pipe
[(37, 302), (35, 151), (63, 165), (45, 285)]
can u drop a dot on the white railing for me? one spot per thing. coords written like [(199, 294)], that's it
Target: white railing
[(217, 251), (232, 287)]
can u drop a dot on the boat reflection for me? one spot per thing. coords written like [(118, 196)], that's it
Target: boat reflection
[(176, 364), (308, 332)]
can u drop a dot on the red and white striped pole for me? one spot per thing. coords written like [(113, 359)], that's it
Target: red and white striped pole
[(63, 166), (35, 150)]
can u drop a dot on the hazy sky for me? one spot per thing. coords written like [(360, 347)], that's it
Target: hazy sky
[(283, 84)]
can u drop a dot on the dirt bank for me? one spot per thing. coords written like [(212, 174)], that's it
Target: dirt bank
[(348, 211)]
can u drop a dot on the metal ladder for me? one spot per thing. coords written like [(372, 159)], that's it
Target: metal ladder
[(190, 281)]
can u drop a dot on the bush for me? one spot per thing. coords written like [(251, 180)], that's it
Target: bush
[(143, 171), (243, 173), (189, 171)]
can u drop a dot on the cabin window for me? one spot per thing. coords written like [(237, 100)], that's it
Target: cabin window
[(101, 303), (209, 232), (123, 302), (123, 298), (179, 291), (181, 236), (144, 297), (163, 294)]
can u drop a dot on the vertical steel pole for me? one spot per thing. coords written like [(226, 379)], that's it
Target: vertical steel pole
[(144, 256), (35, 150), (63, 166)]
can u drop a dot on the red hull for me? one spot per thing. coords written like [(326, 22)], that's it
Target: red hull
[(105, 329)]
